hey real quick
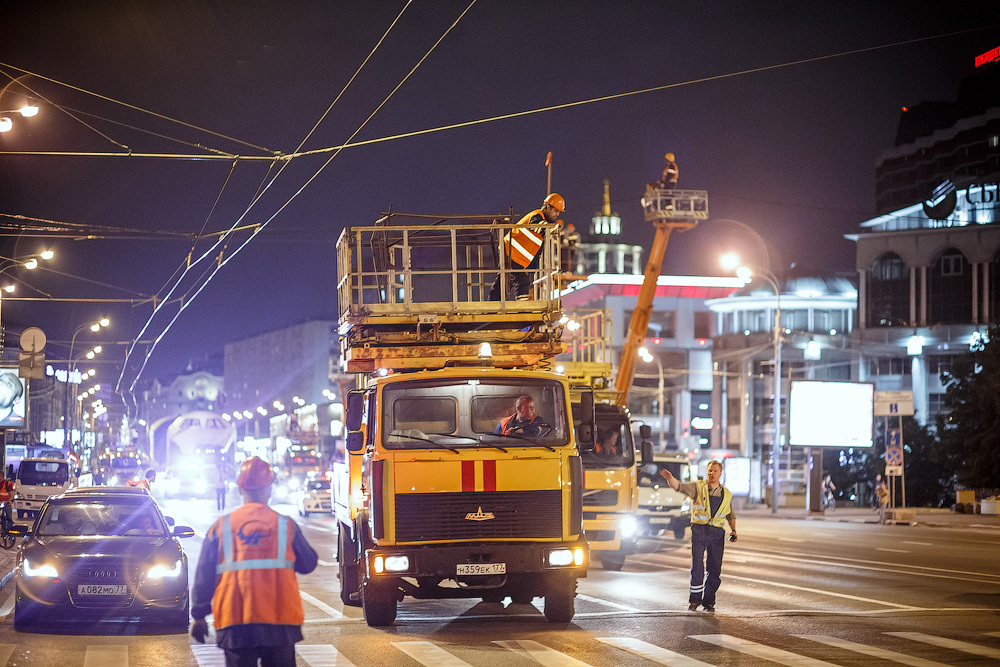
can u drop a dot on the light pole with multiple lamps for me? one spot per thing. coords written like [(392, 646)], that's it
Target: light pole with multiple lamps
[(27, 110), (29, 262), (70, 367), (731, 261), (648, 357)]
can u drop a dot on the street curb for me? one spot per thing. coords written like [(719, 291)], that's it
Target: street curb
[(7, 577)]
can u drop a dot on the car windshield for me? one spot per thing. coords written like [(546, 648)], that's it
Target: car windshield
[(102, 516), (461, 413), (124, 462), (319, 485), (649, 474), (43, 473)]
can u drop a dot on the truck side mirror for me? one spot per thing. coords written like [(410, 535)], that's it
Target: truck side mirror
[(585, 432), (645, 432), (355, 441), (355, 409), (646, 452)]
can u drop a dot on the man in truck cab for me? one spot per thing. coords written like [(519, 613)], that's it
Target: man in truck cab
[(524, 421), (521, 245)]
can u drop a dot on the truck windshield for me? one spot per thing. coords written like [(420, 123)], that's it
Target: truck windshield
[(614, 447), (43, 473), (462, 413)]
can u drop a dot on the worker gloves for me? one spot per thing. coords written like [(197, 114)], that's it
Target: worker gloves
[(199, 630)]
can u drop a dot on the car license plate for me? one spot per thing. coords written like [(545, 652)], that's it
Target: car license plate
[(481, 568), (100, 589)]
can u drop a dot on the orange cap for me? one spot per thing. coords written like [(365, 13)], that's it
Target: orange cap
[(254, 474)]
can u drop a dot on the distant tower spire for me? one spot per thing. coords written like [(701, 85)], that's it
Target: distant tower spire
[(606, 224)]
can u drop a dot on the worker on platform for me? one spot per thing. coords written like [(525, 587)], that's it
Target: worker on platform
[(246, 577), (521, 245), (668, 179)]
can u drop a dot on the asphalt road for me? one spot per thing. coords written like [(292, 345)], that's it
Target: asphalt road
[(794, 592)]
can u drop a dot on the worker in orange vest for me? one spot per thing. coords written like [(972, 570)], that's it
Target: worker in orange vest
[(522, 243), (246, 577)]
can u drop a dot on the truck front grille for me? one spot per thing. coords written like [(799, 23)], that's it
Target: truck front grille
[(600, 498), (485, 515)]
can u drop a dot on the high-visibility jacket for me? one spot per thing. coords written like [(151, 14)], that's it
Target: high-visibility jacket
[(509, 424), (522, 242), (701, 508), (6, 490), (144, 483), (256, 569)]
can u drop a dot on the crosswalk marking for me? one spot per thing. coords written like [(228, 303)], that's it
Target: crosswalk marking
[(207, 655), (102, 655), (5, 652), (7, 606), (660, 656), (319, 604), (873, 651), (540, 653), (608, 603), (322, 655), (895, 551), (943, 642), (429, 653), (761, 651)]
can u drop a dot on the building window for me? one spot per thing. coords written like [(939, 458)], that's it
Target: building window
[(889, 366), (949, 289), (661, 323), (951, 265), (702, 324), (993, 141), (888, 292)]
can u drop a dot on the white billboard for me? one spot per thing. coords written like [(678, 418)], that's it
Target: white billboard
[(831, 414)]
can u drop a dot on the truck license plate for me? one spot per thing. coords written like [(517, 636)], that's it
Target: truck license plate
[(100, 589), (481, 568)]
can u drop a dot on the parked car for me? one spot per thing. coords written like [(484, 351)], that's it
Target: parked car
[(315, 496), (98, 555)]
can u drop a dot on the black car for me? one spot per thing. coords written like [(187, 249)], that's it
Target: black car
[(101, 555)]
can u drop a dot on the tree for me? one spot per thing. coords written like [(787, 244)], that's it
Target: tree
[(971, 434)]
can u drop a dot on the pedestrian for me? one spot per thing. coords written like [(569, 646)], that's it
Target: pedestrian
[(882, 495), (221, 480), (521, 246), (246, 578), (711, 509)]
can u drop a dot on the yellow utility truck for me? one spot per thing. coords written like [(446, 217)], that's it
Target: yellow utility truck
[(437, 496)]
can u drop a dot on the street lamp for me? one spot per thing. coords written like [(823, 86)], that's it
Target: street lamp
[(29, 262), (27, 110), (71, 366), (647, 356), (731, 261)]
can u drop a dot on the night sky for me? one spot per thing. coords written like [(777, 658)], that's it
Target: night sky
[(788, 151)]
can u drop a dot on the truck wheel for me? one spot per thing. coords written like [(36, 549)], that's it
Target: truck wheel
[(347, 556), (679, 533), (379, 603), (613, 560), (559, 596), (521, 597)]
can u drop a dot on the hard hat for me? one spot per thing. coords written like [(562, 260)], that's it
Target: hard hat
[(254, 474), (556, 202), (669, 157)]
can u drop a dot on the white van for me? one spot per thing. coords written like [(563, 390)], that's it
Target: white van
[(660, 507), (36, 480)]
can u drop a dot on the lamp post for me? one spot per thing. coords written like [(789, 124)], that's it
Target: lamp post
[(27, 110), (647, 356), (731, 261), (70, 367)]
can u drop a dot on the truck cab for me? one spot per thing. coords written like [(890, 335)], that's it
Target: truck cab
[(36, 480)]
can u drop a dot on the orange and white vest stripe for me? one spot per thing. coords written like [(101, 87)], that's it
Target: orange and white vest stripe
[(523, 242)]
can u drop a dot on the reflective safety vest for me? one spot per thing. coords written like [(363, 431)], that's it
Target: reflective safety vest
[(701, 507), (256, 569), (522, 242), (6, 491)]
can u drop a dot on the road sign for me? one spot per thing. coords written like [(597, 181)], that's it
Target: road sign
[(894, 471), (892, 403), (31, 365), (894, 456)]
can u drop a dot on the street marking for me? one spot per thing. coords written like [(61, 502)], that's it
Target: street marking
[(322, 529), (895, 551), (102, 655), (992, 634), (608, 603), (322, 655), (541, 654), (319, 604), (325, 563), (873, 651), (6, 608), (964, 647), (428, 653), (919, 544), (761, 651), (789, 539), (660, 656), (6, 650), (207, 655)]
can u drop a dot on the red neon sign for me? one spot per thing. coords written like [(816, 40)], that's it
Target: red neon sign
[(990, 56)]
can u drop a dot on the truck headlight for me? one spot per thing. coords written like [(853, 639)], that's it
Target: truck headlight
[(566, 557), (43, 570), (160, 571), (628, 527), (391, 564)]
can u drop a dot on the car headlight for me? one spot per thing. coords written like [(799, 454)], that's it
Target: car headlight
[(160, 571), (200, 486), (43, 570), (114, 480), (628, 527), (566, 557)]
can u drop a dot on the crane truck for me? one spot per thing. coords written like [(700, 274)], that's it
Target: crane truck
[(433, 499)]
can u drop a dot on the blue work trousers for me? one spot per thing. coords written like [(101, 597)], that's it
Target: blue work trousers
[(707, 545)]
